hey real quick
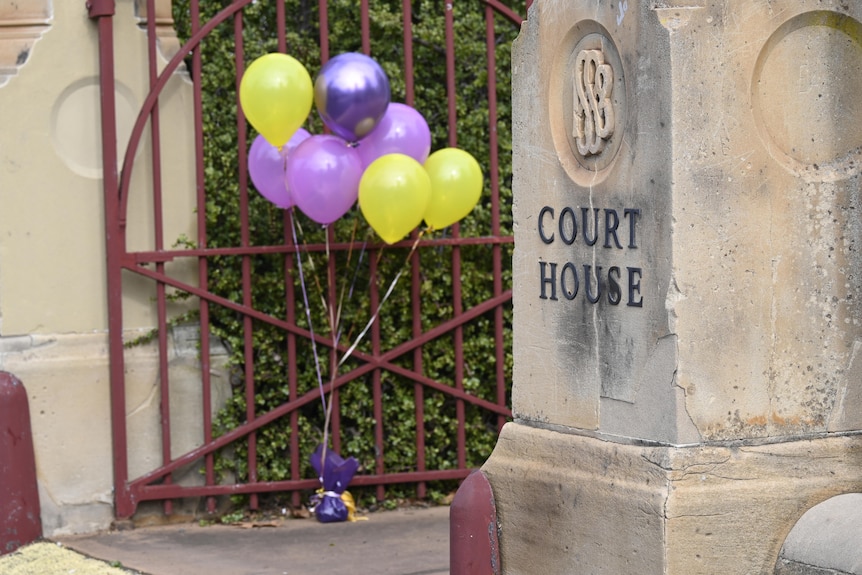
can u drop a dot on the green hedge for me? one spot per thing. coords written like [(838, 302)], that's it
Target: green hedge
[(266, 228)]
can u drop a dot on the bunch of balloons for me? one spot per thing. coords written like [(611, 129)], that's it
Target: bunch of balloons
[(379, 152)]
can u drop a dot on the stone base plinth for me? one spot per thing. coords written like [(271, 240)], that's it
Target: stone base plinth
[(568, 503), (66, 378)]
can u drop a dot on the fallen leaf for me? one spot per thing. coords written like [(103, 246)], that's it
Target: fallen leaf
[(254, 524)]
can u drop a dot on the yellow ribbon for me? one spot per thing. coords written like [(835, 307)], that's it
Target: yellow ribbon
[(351, 507)]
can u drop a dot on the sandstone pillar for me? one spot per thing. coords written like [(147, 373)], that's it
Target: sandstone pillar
[(688, 314)]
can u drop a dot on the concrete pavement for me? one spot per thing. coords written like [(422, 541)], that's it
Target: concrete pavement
[(411, 541)]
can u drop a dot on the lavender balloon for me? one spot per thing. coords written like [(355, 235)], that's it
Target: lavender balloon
[(266, 166), (402, 130), (323, 176), (351, 93)]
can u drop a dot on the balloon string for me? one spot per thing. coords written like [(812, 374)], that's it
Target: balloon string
[(335, 330), (356, 272), (347, 291), (334, 322), (308, 314), (334, 325), (329, 309), (325, 443), (361, 335), (327, 405)]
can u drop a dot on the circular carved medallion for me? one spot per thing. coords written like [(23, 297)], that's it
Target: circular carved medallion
[(587, 102), (805, 95)]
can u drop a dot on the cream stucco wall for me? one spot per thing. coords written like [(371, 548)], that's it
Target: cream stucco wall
[(52, 249), (53, 320)]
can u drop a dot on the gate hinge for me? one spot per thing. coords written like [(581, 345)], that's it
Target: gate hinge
[(99, 8)]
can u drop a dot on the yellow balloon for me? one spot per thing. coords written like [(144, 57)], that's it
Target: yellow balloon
[(456, 186), (393, 195), (276, 94)]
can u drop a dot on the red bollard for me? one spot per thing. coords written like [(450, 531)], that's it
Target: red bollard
[(20, 521), (474, 545)]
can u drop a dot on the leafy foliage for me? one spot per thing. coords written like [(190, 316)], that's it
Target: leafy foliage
[(348, 272)]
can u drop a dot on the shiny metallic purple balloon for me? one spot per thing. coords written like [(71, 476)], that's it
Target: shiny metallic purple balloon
[(351, 93)]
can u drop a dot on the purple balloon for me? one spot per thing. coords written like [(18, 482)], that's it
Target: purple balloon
[(266, 166), (323, 176), (351, 93), (402, 130)]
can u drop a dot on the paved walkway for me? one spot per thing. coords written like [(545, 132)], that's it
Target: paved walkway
[(411, 541)]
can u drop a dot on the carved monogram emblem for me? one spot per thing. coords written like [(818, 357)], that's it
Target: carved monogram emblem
[(594, 112)]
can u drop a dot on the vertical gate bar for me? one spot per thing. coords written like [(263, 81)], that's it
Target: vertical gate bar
[(115, 248), (374, 300), (499, 349), (332, 296), (335, 423), (457, 309), (365, 27), (203, 266), (281, 27), (450, 73), (245, 241), (456, 233), (376, 383), (415, 269), (418, 388), (323, 20), (158, 225), (290, 303), (292, 369), (407, 27)]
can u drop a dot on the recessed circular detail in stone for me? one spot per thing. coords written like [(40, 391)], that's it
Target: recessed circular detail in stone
[(587, 102), (76, 125), (805, 94)]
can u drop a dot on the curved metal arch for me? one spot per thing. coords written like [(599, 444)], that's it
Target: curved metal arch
[(153, 98), (174, 63), (504, 10)]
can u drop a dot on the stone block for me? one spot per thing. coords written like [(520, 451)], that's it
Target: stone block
[(690, 275), (575, 504), (687, 306)]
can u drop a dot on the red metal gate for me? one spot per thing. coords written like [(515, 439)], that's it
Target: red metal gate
[(157, 485)]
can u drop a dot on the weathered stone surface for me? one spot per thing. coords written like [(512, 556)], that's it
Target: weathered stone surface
[(766, 237), (723, 220), (572, 503), (688, 315), (569, 503), (578, 342), (67, 384)]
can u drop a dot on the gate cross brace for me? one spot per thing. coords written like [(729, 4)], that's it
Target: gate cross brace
[(384, 361)]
